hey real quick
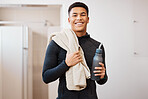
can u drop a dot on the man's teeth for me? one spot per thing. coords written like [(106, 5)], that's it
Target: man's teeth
[(78, 23)]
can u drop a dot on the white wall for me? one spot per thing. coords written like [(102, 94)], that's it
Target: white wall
[(111, 22), (0, 67)]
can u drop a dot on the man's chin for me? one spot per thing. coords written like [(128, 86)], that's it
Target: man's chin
[(78, 30)]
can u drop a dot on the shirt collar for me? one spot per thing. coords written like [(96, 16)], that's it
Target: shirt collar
[(85, 36)]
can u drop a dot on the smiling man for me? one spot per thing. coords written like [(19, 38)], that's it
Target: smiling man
[(78, 20), (60, 60)]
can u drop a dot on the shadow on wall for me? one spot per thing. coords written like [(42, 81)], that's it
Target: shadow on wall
[(40, 90)]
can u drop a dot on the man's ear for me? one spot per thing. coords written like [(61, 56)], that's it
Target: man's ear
[(88, 20), (69, 20)]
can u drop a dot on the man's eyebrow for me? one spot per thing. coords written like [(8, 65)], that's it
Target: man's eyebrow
[(83, 13), (74, 13)]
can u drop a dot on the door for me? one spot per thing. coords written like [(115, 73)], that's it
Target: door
[(11, 62)]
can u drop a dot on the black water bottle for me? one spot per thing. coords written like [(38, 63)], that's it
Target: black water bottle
[(96, 59)]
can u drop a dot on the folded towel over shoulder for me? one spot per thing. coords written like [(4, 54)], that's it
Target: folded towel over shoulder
[(76, 75)]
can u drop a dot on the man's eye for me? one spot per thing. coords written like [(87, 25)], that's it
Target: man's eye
[(74, 15), (83, 15)]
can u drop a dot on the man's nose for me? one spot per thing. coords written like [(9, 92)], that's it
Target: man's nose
[(79, 17)]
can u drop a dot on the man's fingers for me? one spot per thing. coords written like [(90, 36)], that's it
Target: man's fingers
[(99, 71), (101, 64), (102, 74), (100, 68), (79, 60), (77, 52), (77, 57)]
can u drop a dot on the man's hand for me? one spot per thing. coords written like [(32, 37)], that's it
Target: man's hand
[(100, 71), (73, 58)]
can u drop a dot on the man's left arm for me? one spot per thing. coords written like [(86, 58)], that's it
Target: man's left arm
[(102, 70)]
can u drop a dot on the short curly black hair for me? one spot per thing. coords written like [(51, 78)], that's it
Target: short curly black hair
[(78, 4)]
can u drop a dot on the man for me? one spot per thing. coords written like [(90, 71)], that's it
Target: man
[(58, 61)]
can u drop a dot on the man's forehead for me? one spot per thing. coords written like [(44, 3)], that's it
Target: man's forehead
[(78, 10)]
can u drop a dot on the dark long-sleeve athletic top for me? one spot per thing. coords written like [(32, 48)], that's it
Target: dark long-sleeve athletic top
[(55, 67)]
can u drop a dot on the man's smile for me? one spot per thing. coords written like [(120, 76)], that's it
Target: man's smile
[(79, 23)]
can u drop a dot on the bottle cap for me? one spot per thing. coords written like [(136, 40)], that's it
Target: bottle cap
[(99, 51)]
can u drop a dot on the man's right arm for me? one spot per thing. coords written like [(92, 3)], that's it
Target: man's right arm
[(51, 69)]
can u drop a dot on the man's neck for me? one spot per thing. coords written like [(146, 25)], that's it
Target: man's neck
[(80, 34)]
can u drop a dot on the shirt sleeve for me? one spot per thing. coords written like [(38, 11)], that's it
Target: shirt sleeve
[(51, 69), (103, 80)]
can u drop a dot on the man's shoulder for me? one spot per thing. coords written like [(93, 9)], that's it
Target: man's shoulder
[(95, 42), (53, 45)]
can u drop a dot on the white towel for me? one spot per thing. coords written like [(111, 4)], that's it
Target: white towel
[(76, 75)]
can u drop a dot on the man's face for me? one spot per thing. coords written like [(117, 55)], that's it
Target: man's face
[(78, 19)]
